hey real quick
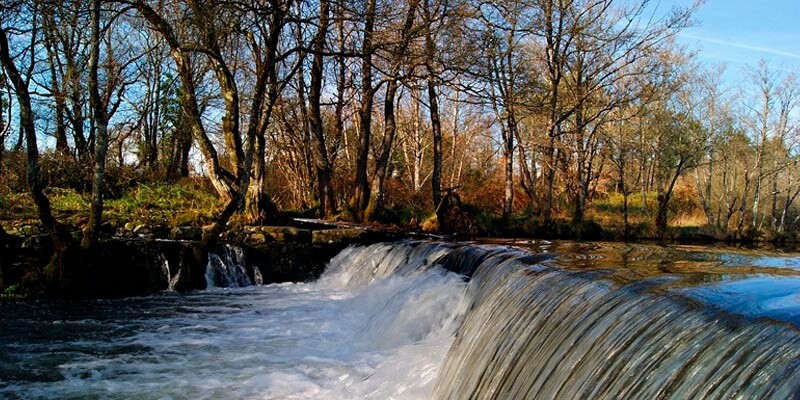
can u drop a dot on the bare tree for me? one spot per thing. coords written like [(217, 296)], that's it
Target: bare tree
[(324, 168), (397, 57), (361, 193), (61, 239)]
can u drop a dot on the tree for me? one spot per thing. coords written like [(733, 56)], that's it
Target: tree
[(325, 194), (397, 57), (501, 71), (104, 98), (65, 30), (360, 198), (61, 239), (679, 147), (6, 110)]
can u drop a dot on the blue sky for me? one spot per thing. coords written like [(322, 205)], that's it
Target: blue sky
[(741, 32)]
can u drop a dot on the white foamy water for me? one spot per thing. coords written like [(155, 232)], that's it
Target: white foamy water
[(384, 339)]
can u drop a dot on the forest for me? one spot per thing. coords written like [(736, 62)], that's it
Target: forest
[(526, 117)]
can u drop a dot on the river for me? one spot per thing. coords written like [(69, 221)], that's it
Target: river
[(419, 320)]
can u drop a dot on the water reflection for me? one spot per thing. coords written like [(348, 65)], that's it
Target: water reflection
[(750, 282)]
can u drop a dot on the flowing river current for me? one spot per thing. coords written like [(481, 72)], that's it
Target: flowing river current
[(422, 320)]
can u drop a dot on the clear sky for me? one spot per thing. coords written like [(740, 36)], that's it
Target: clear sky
[(741, 32)]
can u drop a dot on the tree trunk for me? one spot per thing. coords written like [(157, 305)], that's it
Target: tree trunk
[(375, 205), (436, 128), (664, 198), (743, 204), (227, 82), (258, 205), (508, 170), (374, 208), (436, 123), (189, 104), (61, 239), (100, 115), (82, 143), (323, 167), (358, 203), (62, 147), (549, 175)]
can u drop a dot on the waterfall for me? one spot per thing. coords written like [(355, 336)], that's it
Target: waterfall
[(171, 280), (544, 333), (532, 330), (359, 266), (228, 267)]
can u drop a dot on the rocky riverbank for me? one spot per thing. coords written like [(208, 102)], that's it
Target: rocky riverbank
[(138, 260)]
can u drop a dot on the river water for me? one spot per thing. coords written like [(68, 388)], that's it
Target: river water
[(406, 321)]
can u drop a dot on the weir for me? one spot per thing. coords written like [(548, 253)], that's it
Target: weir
[(549, 334), (538, 332), (422, 320)]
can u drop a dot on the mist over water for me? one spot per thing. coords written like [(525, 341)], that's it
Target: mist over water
[(420, 320)]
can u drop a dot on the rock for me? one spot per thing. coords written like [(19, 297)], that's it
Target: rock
[(345, 235), (28, 230), (185, 233), (291, 261), (116, 268), (288, 234), (430, 224), (256, 237), (251, 229)]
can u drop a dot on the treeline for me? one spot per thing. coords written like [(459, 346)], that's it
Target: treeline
[(532, 107)]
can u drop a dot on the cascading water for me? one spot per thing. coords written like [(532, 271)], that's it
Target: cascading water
[(419, 320), (227, 267), (378, 332), (540, 333)]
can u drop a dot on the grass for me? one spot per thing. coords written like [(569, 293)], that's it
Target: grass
[(188, 202), (608, 212), (193, 202), (183, 203)]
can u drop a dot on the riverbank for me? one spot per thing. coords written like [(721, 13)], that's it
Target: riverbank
[(152, 225), (148, 259), (179, 210)]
